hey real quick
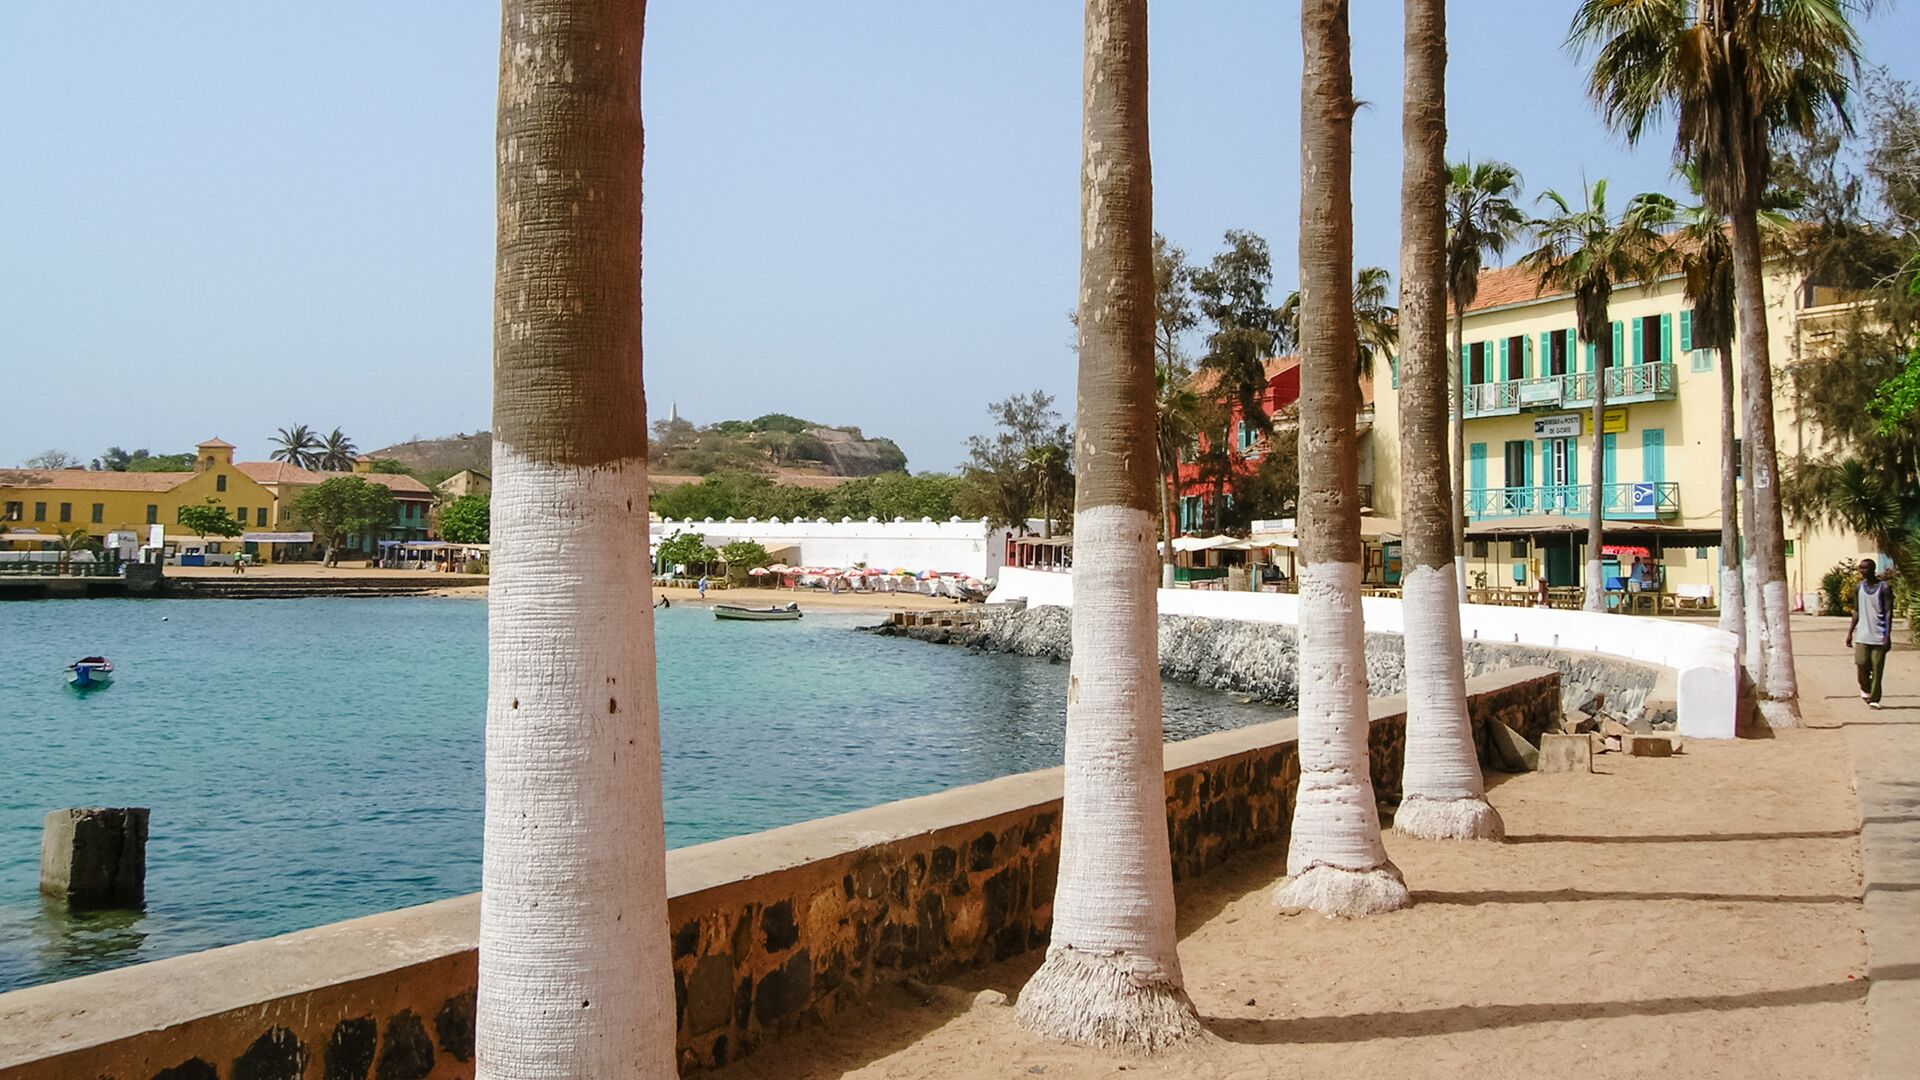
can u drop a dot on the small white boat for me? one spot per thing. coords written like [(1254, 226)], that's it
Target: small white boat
[(89, 672), (756, 614)]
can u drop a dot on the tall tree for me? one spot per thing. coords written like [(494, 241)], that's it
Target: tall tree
[(1336, 862), (1178, 409), (1232, 295), (1588, 251), (1732, 73), (1376, 323), (1049, 476), (996, 481), (1111, 976), (1483, 217), (1443, 796), (297, 446), (575, 976), (337, 452)]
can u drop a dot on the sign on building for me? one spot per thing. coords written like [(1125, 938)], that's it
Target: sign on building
[(1558, 426), (1646, 498), (1613, 421)]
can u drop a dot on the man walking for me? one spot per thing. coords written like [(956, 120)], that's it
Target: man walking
[(1871, 631)]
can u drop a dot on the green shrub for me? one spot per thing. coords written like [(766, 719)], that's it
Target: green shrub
[(1837, 587)]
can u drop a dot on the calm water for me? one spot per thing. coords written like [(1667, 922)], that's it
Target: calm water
[(314, 760)]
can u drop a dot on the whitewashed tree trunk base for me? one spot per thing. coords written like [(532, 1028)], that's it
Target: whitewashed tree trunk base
[(1449, 819), (1732, 601), (1111, 1002), (1340, 893), (1780, 714), (1596, 587)]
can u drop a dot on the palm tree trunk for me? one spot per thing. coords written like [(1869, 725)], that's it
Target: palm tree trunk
[(574, 967), (1166, 484), (1336, 863), (1732, 600), (1753, 650), (1779, 693), (1443, 796), (1457, 396), (1111, 976), (1602, 361)]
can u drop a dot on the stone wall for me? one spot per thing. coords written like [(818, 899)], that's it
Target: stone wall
[(1262, 659), (770, 931)]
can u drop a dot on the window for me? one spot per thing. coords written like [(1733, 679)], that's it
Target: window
[(66, 512), (1517, 463), (16, 511), (1699, 553), (1517, 549), (1789, 551), (1480, 362), (1516, 351), (39, 511), (1653, 343), (153, 514), (1246, 444), (99, 512), (1479, 549), (1559, 348), (220, 482), (260, 517)]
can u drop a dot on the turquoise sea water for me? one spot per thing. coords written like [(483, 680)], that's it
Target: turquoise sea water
[(313, 760)]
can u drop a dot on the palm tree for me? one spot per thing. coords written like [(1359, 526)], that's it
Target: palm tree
[(575, 976), (1177, 408), (337, 452), (1588, 252), (1049, 475), (1111, 976), (297, 446), (1482, 219), (1443, 796), (1375, 322), (1336, 863), (69, 544), (1732, 73)]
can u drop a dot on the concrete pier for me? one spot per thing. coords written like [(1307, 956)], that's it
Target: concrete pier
[(95, 857)]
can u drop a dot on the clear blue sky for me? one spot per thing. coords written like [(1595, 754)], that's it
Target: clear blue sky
[(226, 217)]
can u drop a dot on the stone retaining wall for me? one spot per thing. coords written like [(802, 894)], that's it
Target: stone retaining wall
[(770, 931)]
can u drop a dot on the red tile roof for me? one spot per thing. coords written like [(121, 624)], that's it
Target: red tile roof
[(92, 480), (280, 472), (1503, 285)]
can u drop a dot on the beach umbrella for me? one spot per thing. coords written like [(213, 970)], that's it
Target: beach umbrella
[(872, 572), (758, 571)]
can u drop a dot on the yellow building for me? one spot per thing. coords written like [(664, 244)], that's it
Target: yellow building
[(259, 495), (48, 501), (466, 482), (1529, 400)]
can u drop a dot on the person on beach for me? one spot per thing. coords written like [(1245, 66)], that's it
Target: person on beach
[(1871, 631), (703, 586)]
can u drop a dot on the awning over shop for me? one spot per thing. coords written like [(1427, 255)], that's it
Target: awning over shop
[(277, 537)]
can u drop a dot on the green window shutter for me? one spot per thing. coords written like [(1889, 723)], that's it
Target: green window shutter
[(1393, 368), (1653, 455), (1619, 343), (1686, 329), (1703, 359), (1609, 450), (1545, 360), (1639, 343), (1589, 357), (1666, 339), (1500, 373), (1477, 465)]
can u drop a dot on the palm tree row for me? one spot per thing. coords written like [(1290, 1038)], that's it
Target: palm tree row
[(574, 970), (301, 446)]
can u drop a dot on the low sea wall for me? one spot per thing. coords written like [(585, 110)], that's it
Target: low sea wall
[(770, 931), (1262, 658), (1693, 663)]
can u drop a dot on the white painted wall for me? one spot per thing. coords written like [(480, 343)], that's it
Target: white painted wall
[(968, 547), (1701, 656)]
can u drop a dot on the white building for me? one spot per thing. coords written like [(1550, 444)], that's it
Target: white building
[(952, 546)]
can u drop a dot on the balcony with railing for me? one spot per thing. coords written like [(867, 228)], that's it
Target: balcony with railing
[(1626, 384), (1647, 500)]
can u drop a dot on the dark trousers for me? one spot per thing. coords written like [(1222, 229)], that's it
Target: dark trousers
[(1870, 662)]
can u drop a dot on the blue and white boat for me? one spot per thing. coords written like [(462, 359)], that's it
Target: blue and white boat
[(89, 672)]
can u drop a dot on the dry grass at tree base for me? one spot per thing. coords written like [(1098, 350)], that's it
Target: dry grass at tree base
[(1692, 916)]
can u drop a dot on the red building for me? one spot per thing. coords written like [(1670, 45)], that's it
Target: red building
[(1193, 497)]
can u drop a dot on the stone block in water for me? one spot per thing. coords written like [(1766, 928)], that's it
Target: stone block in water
[(95, 857)]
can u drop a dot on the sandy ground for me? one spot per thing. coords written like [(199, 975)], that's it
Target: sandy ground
[(1692, 917)]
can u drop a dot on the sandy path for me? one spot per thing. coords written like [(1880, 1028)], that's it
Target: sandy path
[(1690, 917)]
